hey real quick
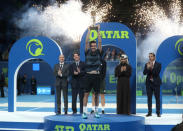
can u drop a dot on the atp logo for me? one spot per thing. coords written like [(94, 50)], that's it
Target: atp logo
[(179, 46), (35, 44)]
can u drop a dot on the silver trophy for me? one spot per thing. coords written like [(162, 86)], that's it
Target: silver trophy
[(93, 27)]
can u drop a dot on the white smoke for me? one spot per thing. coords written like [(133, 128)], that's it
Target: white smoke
[(161, 32), (161, 26), (66, 20)]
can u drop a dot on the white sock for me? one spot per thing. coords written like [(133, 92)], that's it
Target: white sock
[(96, 108), (93, 108), (103, 108), (85, 109)]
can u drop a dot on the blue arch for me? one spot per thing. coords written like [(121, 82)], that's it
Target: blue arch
[(128, 45), (23, 50), (169, 50)]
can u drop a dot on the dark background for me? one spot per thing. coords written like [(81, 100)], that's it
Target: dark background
[(122, 11)]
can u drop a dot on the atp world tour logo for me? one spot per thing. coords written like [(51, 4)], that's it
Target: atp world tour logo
[(179, 46), (35, 47)]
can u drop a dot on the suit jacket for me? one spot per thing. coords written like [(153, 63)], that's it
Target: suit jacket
[(61, 80), (73, 68), (154, 73)]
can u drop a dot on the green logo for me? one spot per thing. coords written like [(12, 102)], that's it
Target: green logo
[(64, 128), (39, 47), (179, 47), (108, 34)]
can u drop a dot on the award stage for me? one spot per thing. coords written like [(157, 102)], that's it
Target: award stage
[(40, 121), (107, 122), (37, 113)]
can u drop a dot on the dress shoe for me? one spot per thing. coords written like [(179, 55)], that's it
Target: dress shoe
[(149, 114), (158, 115), (92, 111), (74, 113), (65, 112), (103, 112), (81, 112), (58, 113)]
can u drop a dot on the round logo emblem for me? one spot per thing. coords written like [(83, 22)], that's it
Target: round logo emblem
[(179, 46), (37, 45)]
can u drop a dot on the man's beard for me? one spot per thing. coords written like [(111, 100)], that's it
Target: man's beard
[(123, 63), (93, 53)]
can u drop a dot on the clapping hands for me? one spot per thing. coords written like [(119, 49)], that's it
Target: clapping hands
[(123, 68)]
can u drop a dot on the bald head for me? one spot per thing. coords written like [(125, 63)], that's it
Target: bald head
[(61, 58)]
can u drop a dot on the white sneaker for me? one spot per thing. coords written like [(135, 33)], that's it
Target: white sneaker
[(97, 115), (84, 116)]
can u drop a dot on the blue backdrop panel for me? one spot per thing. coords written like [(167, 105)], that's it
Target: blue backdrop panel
[(107, 122), (23, 50), (169, 50), (125, 41), (44, 75)]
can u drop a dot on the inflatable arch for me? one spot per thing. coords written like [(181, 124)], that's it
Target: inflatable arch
[(26, 49), (169, 50)]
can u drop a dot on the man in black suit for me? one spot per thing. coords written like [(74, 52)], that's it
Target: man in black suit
[(61, 71), (2, 83), (33, 85), (24, 84), (153, 82), (77, 70)]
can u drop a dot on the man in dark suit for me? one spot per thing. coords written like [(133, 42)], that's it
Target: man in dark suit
[(61, 71), (33, 85), (2, 83), (77, 70), (152, 70), (24, 84)]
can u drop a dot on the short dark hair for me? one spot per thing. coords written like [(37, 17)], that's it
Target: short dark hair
[(93, 41), (76, 52), (152, 54)]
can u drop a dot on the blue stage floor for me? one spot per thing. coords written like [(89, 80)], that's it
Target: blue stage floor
[(31, 111), (45, 103)]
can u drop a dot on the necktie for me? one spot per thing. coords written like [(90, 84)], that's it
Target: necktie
[(61, 66), (151, 77), (77, 64)]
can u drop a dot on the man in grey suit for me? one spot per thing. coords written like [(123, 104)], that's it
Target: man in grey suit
[(61, 71)]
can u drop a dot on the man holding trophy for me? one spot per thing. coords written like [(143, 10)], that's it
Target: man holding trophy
[(92, 67), (61, 71)]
